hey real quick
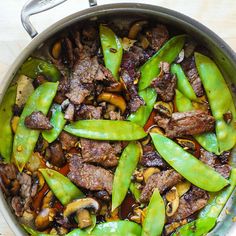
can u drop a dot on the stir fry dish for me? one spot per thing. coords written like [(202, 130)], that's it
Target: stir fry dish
[(118, 132)]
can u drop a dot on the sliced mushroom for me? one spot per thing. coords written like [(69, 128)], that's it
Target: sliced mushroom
[(173, 202), (48, 200), (114, 99), (83, 218), (164, 108), (138, 215), (79, 204), (183, 187), (138, 175), (14, 123), (186, 144), (39, 180), (56, 50), (136, 28), (146, 140), (45, 218), (127, 43), (155, 129), (144, 42), (150, 171)]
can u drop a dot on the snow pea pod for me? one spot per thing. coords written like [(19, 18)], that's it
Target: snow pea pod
[(206, 140), (220, 100), (197, 227), (6, 113), (135, 191), (33, 232), (122, 178), (58, 122), (34, 67), (25, 139), (187, 165), (167, 53), (112, 50), (183, 84), (155, 217), (61, 186), (106, 130), (141, 116)]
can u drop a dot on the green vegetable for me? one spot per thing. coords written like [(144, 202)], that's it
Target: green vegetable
[(220, 100), (155, 216), (197, 227), (141, 116), (112, 50), (167, 53), (34, 67), (122, 178), (135, 191), (217, 203), (6, 113), (206, 140), (183, 84), (25, 139), (58, 122), (33, 232), (106, 130), (187, 165), (78, 232), (61, 186)]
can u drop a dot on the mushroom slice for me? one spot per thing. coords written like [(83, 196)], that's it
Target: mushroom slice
[(127, 43), (79, 204), (164, 108), (136, 28), (138, 215), (56, 50), (173, 202), (83, 218), (48, 200), (150, 171), (155, 129), (183, 187), (186, 144), (114, 99)]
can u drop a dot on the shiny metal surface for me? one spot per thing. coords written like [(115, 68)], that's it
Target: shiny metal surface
[(224, 56)]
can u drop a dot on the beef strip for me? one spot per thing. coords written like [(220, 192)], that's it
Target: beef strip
[(89, 176), (191, 202), (56, 155), (151, 158), (100, 152), (162, 180), (67, 140), (210, 159), (190, 70), (37, 120), (87, 112), (157, 36), (186, 123)]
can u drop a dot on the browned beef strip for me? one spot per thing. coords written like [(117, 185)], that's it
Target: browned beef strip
[(17, 205), (67, 140), (37, 120), (162, 180), (165, 86), (56, 154), (211, 160), (25, 181), (157, 36), (186, 123), (190, 69), (191, 202), (88, 112), (151, 158), (89, 176), (100, 152)]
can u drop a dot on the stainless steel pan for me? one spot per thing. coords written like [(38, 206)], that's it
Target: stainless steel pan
[(224, 56)]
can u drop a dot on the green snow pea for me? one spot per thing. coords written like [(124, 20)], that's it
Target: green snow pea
[(220, 100), (25, 139), (106, 130), (135, 191), (61, 186), (58, 122), (33, 232), (6, 113), (155, 217), (183, 84), (34, 67), (187, 165), (167, 53), (217, 203), (206, 140), (122, 178), (141, 116), (197, 227), (112, 50)]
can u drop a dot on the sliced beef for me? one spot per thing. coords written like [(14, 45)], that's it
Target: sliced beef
[(17, 205), (26, 182), (191, 202), (89, 176), (157, 36), (151, 158), (37, 120), (100, 152), (56, 155), (190, 69), (88, 112), (162, 180), (211, 159), (186, 123), (67, 140)]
